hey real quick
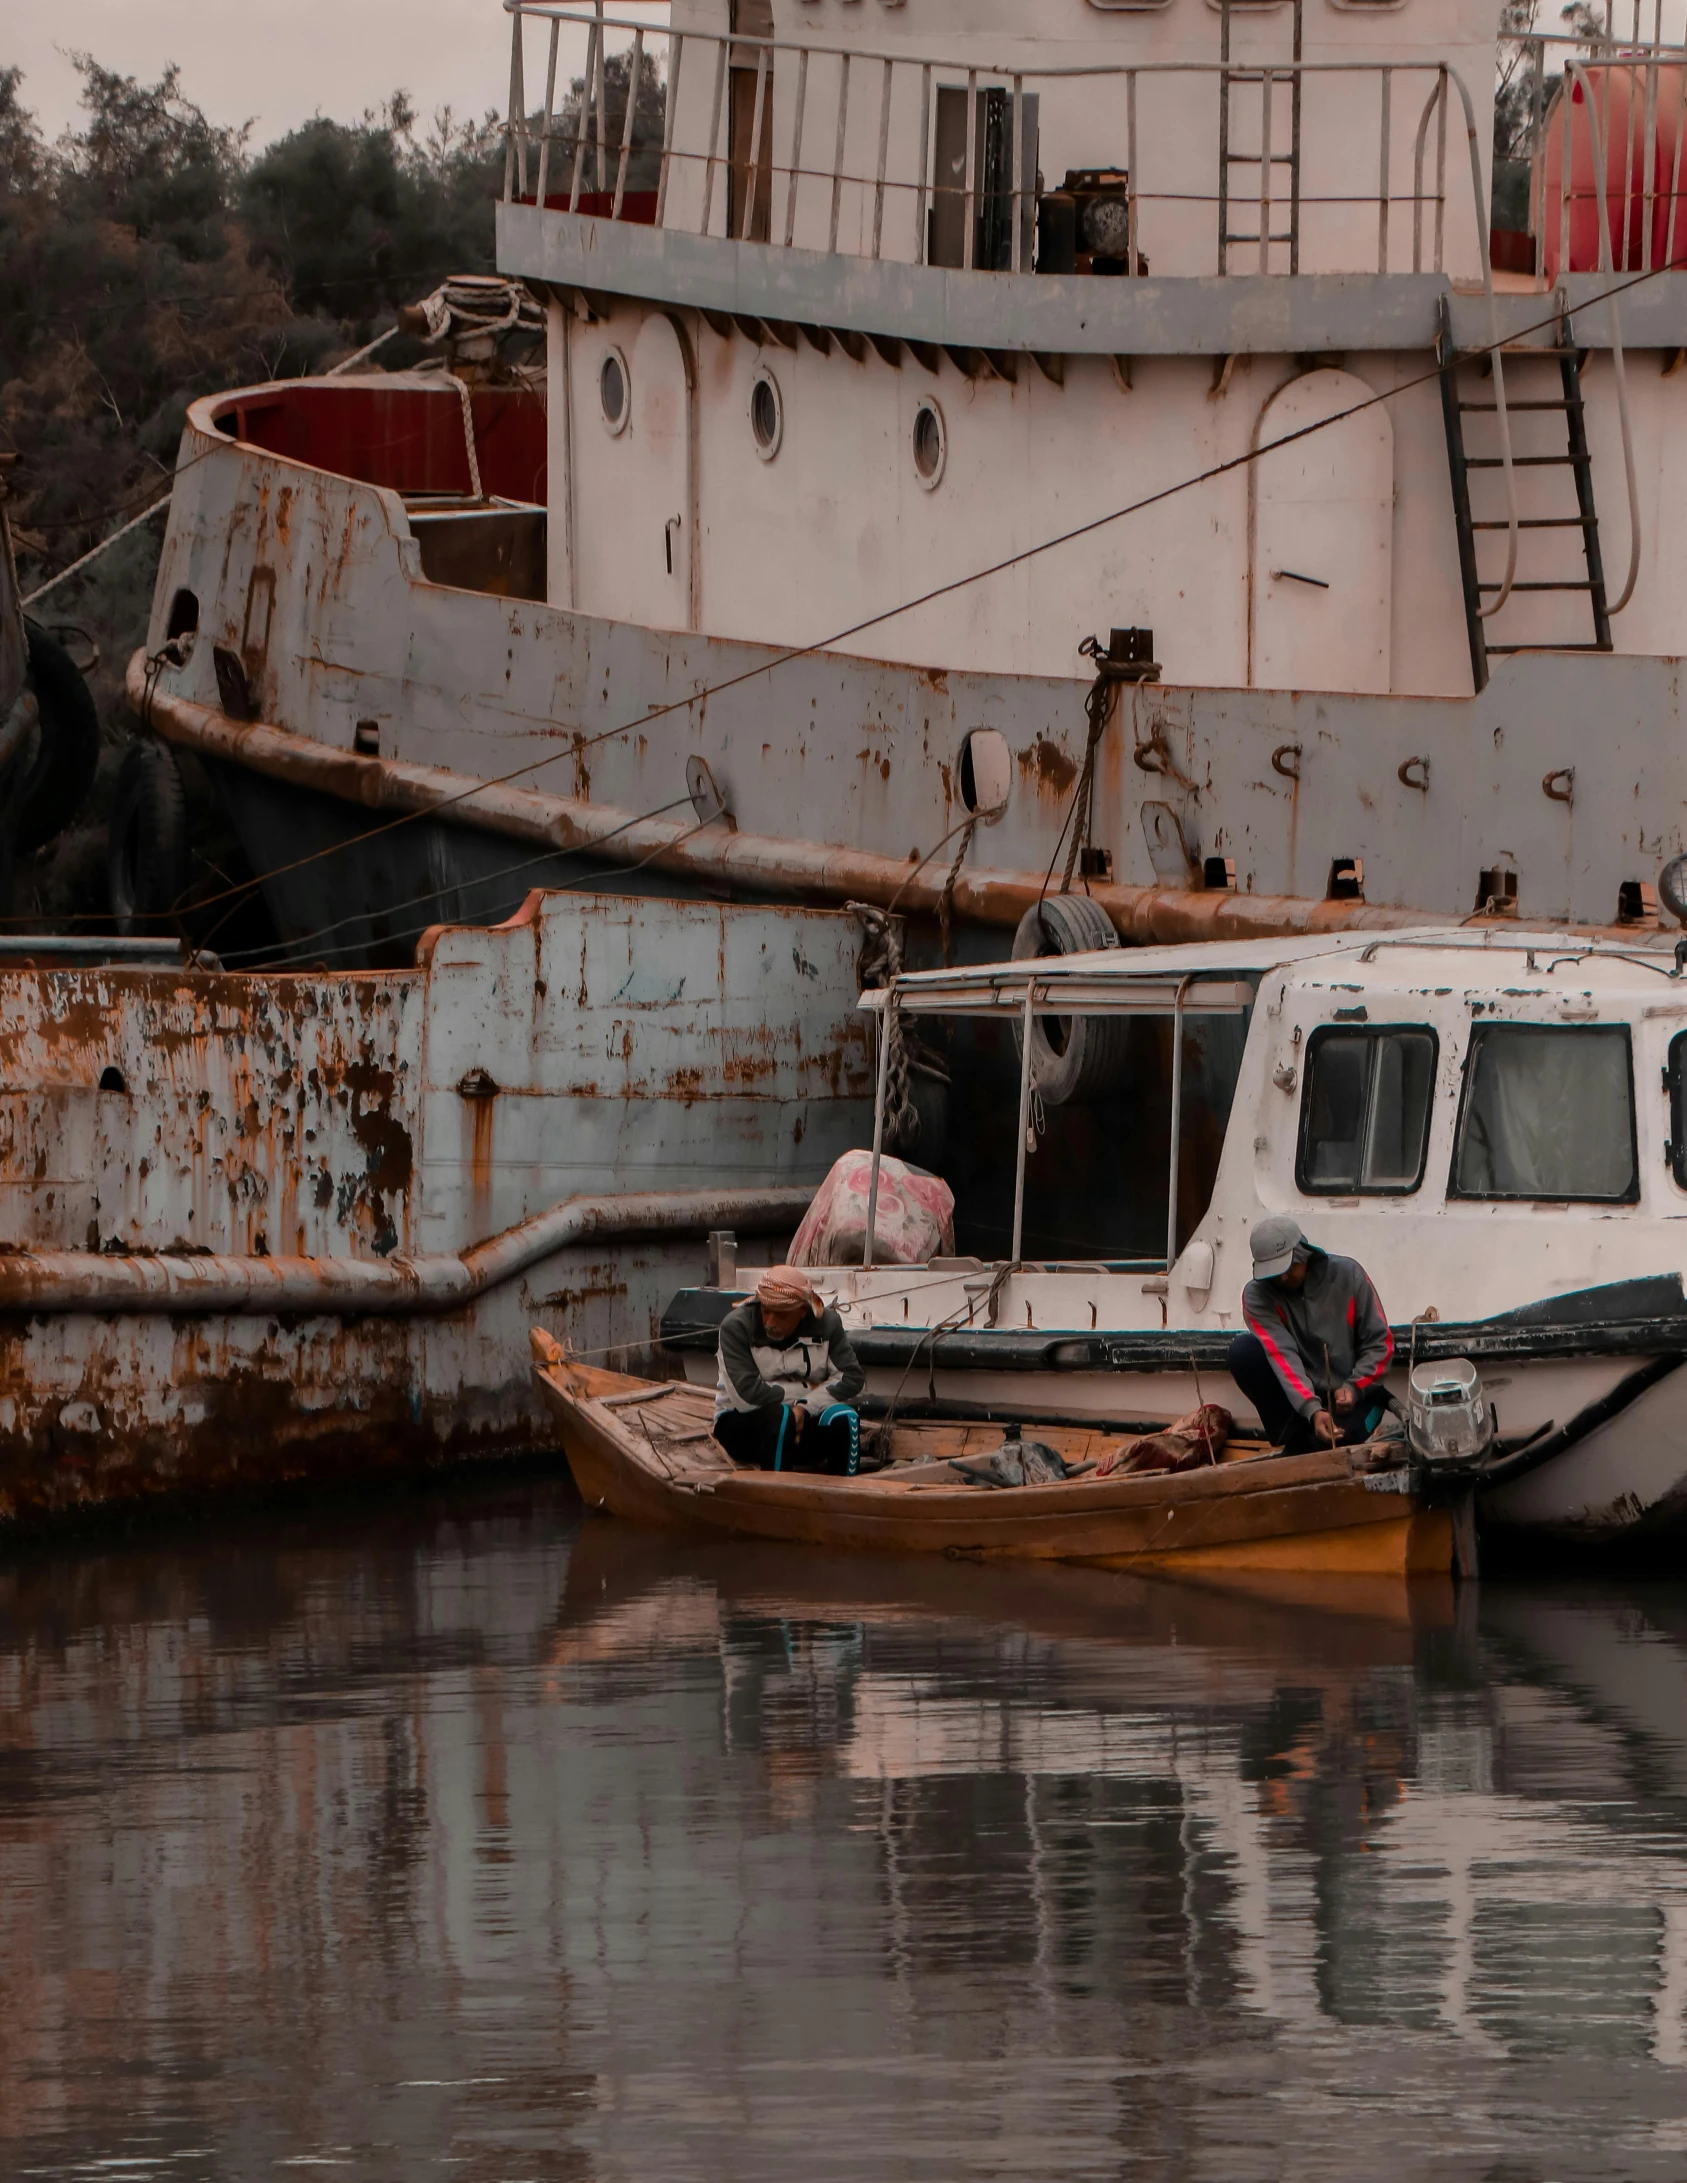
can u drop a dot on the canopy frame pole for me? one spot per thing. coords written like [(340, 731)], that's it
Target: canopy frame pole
[(878, 1121), (1177, 1123), (1024, 1122)]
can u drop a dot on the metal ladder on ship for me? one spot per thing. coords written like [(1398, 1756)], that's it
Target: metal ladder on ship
[(1267, 75), (1454, 409)]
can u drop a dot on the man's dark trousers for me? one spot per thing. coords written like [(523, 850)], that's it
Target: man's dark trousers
[(1284, 1426)]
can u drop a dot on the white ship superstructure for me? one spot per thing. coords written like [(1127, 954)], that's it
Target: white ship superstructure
[(866, 348)]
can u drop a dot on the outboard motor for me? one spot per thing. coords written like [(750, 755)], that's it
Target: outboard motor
[(1448, 1421)]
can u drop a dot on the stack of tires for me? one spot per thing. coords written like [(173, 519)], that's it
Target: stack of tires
[(147, 863)]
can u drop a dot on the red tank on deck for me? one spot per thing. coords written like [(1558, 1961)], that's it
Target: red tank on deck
[(1636, 115)]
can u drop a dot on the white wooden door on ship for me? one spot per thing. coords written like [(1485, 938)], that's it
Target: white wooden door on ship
[(1322, 572), (634, 563)]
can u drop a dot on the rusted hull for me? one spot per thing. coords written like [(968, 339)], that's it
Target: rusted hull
[(102, 1415), (1273, 1516), (573, 829), (312, 585), (260, 1231)]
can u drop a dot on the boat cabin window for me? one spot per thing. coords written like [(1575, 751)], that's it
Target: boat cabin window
[(1364, 1118), (1548, 1112)]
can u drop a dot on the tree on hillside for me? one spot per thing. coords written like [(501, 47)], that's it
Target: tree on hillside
[(149, 160), (357, 218), (125, 289), (20, 140), (146, 258), (644, 160)]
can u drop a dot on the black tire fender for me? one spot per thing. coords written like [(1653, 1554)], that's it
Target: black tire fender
[(1672, 888), (147, 864), (1072, 1057), (68, 753)]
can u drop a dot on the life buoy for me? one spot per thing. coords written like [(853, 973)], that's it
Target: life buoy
[(147, 845), (67, 752), (1072, 1057)]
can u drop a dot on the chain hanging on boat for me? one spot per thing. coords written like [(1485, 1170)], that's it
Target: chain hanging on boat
[(1098, 708), (881, 966), (946, 906), (1127, 656)]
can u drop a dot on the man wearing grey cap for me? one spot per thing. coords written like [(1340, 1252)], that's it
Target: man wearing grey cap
[(1317, 1346)]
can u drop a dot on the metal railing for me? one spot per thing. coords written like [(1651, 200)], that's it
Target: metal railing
[(996, 992), (856, 130)]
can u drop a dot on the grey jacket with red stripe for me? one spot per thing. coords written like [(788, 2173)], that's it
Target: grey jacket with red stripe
[(1338, 1309)]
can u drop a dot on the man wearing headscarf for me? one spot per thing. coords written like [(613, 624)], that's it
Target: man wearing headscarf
[(788, 1379)]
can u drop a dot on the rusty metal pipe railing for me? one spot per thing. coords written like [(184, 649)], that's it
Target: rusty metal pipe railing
[(901, 176), (397, 1287), (542, 186), (767, 862)]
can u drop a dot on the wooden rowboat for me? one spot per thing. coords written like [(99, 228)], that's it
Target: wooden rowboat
[(643, 1450)]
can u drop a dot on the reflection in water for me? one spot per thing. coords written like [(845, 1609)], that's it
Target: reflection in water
[(463, 1838)]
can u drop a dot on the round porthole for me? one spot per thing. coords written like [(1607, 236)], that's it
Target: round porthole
[(931, 445), (615, 391), (767, 415)]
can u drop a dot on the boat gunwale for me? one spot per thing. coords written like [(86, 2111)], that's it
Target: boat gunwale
[(1243, 1478)]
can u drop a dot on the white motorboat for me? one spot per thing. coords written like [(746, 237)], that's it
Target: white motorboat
[(1493, 1123)]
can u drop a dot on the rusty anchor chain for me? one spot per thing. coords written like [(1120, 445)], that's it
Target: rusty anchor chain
[(881, 966)]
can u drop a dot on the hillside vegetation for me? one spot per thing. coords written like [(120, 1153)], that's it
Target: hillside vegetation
[(148, 257)]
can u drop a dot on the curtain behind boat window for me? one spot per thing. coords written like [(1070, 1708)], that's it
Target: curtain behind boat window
[(1675, 1078), (1364, 1125), (1548, 1113)]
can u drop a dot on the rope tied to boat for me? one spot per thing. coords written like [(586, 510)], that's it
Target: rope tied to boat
[(475, 307), (461, 385), (966, 1312)]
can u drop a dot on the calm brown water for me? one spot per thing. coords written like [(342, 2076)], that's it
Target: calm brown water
[(460, 1840)]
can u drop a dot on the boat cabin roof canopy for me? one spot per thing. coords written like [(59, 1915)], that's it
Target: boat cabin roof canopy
[(1215, 977)]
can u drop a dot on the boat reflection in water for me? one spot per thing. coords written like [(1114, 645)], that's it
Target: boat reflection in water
[(468, 1832)]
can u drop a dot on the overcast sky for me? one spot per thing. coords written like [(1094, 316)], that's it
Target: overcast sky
[(277, 62), (274, 62)]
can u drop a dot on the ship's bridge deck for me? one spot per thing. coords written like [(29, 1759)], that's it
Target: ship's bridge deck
[(1159, 177)]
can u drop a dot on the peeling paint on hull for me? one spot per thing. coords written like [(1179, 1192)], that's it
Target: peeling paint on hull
[(841, 748), (382, 1119)]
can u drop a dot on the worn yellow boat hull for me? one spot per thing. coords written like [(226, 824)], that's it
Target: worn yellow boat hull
[(642, 1450)]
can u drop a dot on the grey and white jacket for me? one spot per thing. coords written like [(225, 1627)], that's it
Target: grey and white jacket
[(810, 1368), (1337, 1316)]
